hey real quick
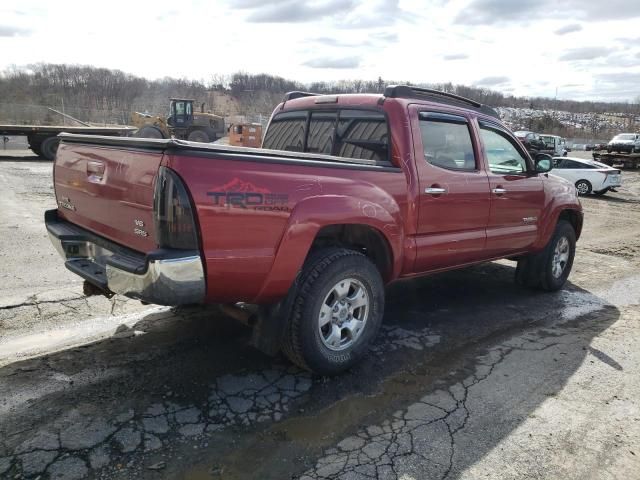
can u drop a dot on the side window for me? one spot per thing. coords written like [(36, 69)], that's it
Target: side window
[(362, 134), (322, 127), (447, 142), (503, 156), (286, 132), (582, 166)]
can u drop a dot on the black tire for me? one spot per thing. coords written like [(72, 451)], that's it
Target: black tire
[(537, 270), (149, 131), (36, 148), (49, 147), (303, 341), (601, 192), (609, 150), (583, 187), (202, 135)]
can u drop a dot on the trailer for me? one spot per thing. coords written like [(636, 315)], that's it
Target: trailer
[(43, 140), (626, 160)]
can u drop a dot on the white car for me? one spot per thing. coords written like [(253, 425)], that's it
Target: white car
[(625, 142), (587, 175)]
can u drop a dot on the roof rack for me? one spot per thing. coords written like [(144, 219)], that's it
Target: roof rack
[(405, 91)]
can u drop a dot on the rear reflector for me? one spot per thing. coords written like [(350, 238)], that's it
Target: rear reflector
[(173, 213)]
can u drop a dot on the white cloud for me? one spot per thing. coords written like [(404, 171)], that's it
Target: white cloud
[(401, 40)]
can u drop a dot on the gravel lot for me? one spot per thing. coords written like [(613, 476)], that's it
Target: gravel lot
[(472, 377)]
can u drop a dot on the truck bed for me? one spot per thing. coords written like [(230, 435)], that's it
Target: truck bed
[(172, 145)]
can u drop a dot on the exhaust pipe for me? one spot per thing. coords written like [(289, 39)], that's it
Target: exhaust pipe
[(240, 312)]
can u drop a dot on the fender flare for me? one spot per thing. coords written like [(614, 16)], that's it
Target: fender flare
[(314, 213)]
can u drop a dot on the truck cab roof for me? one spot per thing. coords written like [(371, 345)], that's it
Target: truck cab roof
[(398, 93)]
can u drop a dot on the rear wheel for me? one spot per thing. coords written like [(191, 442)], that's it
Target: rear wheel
[(336, 312), (550, 268), (49, 147), (583, 187)]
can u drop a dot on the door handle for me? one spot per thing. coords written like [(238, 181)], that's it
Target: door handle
[(435, 190), (95, 170), (499, 191)]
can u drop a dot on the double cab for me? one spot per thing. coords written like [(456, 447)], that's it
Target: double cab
[(347, 194)]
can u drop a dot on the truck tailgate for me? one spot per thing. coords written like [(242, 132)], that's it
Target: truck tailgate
[(109, 191)]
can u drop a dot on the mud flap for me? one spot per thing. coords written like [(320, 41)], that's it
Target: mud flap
[(530, 270), (272, 320)]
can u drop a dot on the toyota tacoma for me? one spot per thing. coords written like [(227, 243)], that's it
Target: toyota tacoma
[(347, 194)]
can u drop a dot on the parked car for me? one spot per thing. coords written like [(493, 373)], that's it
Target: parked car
[(348, 193), (530, 140), (554, 145), (588, 176), (624, 142)]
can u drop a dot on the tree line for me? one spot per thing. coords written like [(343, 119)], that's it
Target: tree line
[(94, 90)]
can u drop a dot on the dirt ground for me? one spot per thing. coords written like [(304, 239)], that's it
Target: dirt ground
[(471, 377)]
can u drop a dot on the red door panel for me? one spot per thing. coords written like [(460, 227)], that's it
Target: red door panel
[(453, 206), (517, 193)]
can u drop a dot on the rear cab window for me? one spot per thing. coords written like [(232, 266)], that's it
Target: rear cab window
[(346, 133), (287, 132)]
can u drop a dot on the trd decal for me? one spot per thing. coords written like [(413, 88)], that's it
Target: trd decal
[(238, 193)]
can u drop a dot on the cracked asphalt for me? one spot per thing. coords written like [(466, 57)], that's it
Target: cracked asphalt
[(471, 376)]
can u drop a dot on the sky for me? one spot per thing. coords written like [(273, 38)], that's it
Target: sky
[(575, 49)]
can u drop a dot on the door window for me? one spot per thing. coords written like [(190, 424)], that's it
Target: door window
[(446, 141), (502, 154)]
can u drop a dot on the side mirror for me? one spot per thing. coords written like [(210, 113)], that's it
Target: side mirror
[(544, 163)]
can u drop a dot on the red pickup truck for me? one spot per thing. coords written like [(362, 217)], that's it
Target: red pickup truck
[(348, 193)]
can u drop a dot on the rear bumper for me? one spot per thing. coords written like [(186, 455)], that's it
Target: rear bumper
[(164, 277)]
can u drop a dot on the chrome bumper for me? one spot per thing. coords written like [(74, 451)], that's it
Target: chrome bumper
[(164, 277)]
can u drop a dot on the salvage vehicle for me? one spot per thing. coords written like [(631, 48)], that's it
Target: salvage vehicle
[(624, 142), (531, 141), (348, 194), (554, 145), (588, 176)]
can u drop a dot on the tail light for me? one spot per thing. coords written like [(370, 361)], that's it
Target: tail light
[(173, 213)]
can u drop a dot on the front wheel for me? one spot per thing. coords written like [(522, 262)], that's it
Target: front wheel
[(336, 312), (550, 268), (583, 187)]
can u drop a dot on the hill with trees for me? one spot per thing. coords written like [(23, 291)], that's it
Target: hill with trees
[(103, 95)]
